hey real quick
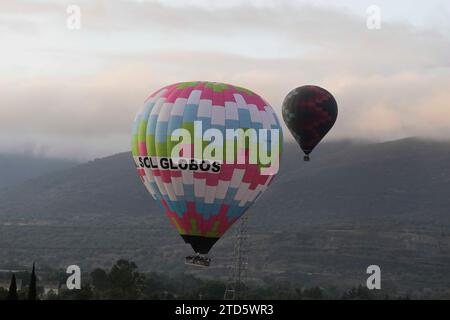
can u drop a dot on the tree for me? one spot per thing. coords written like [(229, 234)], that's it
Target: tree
[(211, 289), (125, 281), (12, 293), (315, 293), (32, 293), (100, 279), (363, 293), (350, 294), (85, 293), (3, 293), (358, 293)]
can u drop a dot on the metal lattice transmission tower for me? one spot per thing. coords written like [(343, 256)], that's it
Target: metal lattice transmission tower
[(240, 261)]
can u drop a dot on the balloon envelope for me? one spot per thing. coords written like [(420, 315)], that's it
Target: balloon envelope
[(202, 199), (309, 112)]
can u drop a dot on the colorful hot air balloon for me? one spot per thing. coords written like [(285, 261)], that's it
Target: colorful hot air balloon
[(203, 197), (309, 112)]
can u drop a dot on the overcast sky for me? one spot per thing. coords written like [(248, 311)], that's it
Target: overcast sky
[(74, 93)]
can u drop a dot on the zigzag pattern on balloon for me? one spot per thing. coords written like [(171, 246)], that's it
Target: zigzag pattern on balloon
[(201, 203)]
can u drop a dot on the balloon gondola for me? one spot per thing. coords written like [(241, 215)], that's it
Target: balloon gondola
[(198, 260)]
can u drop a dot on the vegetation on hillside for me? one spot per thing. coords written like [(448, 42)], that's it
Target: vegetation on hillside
[(123, 281)]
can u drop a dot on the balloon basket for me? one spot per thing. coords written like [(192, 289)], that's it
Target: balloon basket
[(198, 261), (306, 158)]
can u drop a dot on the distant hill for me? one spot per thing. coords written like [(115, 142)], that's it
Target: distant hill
[(17, 168), (322, 222), (406, 179)]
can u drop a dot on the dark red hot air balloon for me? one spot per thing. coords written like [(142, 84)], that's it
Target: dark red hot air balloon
[(309, 112)]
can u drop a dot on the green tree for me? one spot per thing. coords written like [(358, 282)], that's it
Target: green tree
[(358, 293), (85, 293), (314, 293), (100, 279), (12, 293), (32, 291), (363, 293), (52, 295), (3, 293), (211, 289), (125, 281)]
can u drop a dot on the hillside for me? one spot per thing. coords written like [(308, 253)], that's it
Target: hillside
[(321, 222), (18, 168), (344, 182)]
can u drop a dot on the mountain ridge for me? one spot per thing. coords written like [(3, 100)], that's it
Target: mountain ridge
[(320, 223)]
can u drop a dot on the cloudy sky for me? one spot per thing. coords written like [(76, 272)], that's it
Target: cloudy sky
[(74, 93)]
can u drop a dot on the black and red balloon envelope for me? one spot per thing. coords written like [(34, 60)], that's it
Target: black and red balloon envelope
[(309, 112)]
